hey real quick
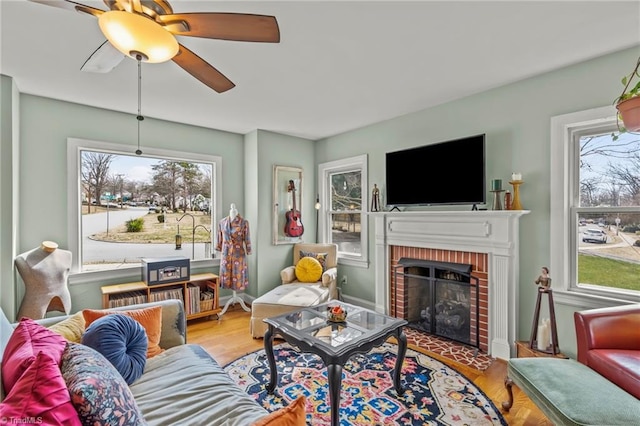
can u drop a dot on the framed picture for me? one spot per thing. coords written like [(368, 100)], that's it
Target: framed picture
[(288, 226)]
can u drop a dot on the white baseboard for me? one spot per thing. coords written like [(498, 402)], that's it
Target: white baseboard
[(359, 302)]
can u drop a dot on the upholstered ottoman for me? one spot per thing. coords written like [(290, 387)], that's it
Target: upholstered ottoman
[(570, 393), (283, 299)]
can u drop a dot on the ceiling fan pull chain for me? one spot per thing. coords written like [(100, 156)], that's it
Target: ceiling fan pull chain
[(139, 117)]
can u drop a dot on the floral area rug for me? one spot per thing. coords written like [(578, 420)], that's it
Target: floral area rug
[(435, 394)]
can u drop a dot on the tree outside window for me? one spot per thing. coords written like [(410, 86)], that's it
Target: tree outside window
[(346, 205), (343, 196), (594, 210), (133, 207), (607, 215)]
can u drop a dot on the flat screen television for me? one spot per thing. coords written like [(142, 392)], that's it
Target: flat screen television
[(450, 172)]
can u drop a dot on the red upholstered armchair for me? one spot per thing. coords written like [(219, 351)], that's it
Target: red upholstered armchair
[(609, 343)]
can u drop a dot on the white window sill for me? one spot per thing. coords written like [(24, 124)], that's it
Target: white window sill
[(128, 274), (358, 263), (585, 300)]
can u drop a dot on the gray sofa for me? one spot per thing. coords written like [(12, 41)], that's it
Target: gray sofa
[(183, 385)]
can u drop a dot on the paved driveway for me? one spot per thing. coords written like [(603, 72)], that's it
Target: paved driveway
[(123, 253)]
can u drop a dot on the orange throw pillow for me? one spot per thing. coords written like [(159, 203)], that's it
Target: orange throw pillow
[(149, 318), (291, 415)]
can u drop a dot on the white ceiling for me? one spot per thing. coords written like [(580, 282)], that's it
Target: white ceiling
[(340, 65)]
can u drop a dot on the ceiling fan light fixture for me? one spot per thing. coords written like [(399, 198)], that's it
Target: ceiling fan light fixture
[(134, 35)]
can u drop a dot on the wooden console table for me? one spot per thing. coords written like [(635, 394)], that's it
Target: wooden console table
[(200, 294)]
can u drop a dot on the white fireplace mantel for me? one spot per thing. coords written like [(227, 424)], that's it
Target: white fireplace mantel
[(493, 232)]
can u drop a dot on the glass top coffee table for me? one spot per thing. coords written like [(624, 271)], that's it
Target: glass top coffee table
[(310, 330)]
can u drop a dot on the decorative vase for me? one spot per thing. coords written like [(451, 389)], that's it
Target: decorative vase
[(497, 205), (630, 113), (515, 203)]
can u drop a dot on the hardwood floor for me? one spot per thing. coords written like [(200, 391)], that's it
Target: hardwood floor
[(228, 339)]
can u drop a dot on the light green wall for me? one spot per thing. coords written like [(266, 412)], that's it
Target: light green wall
[(516, 120), (282, 150), (247, 164), (9, 170), (251, 201), (45, 125)]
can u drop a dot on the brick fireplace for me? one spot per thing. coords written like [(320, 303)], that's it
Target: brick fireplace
[(402, 300), (486, 240)]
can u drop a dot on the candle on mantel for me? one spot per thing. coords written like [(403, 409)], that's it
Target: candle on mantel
[(496, 185), (516, 177)]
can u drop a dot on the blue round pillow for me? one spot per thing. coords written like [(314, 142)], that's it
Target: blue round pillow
[(122, 341)]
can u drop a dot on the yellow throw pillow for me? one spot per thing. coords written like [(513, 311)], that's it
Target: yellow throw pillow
[(292, 415), (150, 318), (308, 270), (71, 328)]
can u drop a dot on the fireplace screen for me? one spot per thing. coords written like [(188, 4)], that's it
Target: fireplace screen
[(440, 298)]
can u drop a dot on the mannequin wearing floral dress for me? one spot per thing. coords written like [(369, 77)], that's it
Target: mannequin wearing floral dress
[(234, 243)]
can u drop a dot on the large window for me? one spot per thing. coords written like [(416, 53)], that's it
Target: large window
[(127, 207), (595, 208), (343, 201)]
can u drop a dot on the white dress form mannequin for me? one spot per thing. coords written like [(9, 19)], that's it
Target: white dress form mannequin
[(233, 212), (44, 271)]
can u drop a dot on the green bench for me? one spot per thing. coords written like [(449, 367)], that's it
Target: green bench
[(570, 393)]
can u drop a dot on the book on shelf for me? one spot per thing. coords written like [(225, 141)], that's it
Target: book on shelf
[(166, 294), (194, 298), (128, 298)]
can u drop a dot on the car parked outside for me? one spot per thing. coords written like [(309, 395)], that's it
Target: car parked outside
[(154, 209), (594, 236)]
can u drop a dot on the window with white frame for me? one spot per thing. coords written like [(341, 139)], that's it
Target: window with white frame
[(126, 207), (595, 209), (343, 195)]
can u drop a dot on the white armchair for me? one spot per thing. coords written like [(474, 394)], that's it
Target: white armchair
[(329, 278), (293, 294)]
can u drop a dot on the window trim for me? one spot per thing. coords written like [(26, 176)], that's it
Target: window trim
[(75, 147), (358, 162), (564, 195)]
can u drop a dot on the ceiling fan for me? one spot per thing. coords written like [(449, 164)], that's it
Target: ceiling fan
[(145, 30)]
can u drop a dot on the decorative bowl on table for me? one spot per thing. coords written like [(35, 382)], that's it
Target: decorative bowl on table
[(336, 313)]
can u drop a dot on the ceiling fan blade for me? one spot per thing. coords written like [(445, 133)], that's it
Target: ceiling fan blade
[(151, 8), (103, 59), (71, 5), (224, 26), (202, 70)]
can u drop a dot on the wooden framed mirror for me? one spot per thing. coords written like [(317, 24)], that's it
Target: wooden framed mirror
[(288, 226)]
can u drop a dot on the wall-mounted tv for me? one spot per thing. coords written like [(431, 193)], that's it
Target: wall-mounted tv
[(450, 172)]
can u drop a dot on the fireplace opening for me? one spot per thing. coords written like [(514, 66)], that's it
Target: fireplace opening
[(440, 298)]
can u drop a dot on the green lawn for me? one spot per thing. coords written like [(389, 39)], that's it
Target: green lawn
[(608, 272)]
